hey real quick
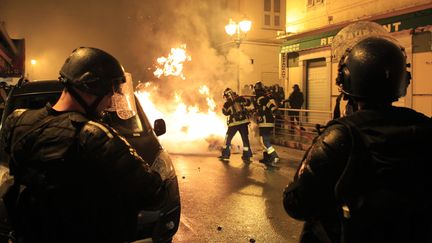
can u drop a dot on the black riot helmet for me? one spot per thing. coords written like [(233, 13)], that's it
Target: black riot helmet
[(93, 71), (374, 70)]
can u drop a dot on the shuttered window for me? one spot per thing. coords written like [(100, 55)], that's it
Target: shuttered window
[(272, 14), (318, 89)]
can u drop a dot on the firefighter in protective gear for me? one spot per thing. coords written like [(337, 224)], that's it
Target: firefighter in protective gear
[(76, 179), (266, 107), (235, 107), (370, 170)]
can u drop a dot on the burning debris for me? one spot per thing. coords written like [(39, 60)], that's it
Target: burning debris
[(184, 129), (173, 64), (194, 125), (215, 143)]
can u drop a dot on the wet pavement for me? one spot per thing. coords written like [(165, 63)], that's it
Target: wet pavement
[(235, 202)]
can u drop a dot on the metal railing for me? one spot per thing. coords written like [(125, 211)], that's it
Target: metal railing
[(296, 128)]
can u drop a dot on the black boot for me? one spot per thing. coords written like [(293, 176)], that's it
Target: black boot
[(225, 154), (273, 159), (247, 155), (265, 158)]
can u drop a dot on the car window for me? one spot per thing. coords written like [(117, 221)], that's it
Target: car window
[(143, 117), (34, 101), (128, 126)]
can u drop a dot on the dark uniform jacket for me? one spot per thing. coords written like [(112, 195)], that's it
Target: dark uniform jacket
[(279, 95), (236, 111), (369, 173), (265, 107), (296, 99), (83, 181)]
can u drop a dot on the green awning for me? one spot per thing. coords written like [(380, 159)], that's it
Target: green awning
[(392, 24)]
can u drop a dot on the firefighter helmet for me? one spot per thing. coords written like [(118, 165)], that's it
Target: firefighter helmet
[(374, 69), (229, 94), (259, 88), (93, 71)]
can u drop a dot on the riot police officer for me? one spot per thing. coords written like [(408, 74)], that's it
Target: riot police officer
[(265, 106), (366, 178), (235, 107), (75, 179)]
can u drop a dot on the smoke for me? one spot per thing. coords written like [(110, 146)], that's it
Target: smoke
[(137, 32), (200, 26)]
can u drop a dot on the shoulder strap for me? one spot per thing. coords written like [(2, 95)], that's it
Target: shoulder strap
[(358, 169), (353, 168)]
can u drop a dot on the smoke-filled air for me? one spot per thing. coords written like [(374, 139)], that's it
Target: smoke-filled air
[(170, 47)]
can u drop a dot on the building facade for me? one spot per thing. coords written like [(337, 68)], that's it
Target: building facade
[(12, 55), (257, 54), (306, 56)]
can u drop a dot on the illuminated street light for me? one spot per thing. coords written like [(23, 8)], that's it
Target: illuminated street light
[(231, 28), (245, 25), (33, 63), (238, 30)]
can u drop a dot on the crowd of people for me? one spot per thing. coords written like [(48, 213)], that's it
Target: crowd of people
[(239, 110), (365, 178), (260, 104)]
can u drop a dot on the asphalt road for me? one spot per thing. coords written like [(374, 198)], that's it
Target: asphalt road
[(235, 202)]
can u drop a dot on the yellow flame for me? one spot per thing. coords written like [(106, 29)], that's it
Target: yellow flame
[(186, 124), (189, 130), (173, 64), (204, 90)]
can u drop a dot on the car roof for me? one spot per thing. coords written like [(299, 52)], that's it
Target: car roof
[(39, 87)]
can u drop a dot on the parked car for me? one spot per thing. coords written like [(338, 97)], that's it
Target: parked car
[(154, 225)]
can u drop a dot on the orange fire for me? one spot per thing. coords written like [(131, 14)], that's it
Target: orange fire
[(173, 64), (189, 129)]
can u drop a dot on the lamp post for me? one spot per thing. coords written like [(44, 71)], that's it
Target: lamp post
[(238, 31)]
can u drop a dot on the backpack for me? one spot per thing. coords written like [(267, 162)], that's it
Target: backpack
[(368, 207)]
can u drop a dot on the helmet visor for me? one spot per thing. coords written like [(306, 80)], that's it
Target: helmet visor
[(123, 99), (117, 85), (352, 34)]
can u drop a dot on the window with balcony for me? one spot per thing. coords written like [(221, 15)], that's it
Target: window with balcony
[(272, 14)]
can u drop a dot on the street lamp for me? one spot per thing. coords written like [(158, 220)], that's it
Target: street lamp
[(238, 31), (33, 63)]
